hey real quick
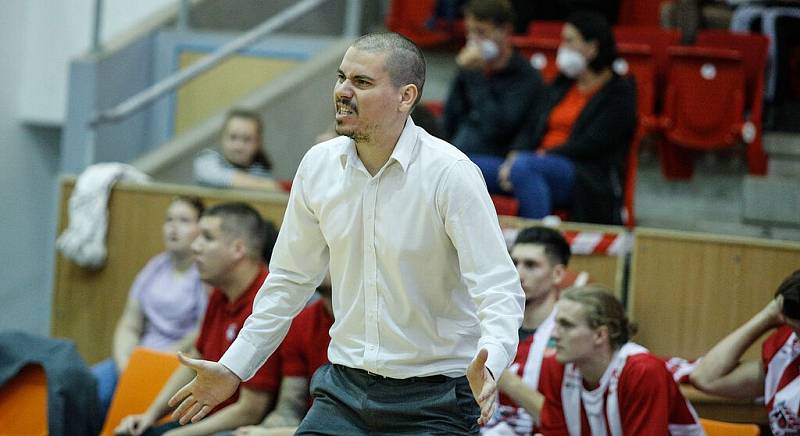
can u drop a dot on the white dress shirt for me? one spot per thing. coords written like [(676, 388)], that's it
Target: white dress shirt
[(421, 276)]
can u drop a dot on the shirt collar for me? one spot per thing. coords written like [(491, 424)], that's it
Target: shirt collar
[(402, 153), (247, 297)]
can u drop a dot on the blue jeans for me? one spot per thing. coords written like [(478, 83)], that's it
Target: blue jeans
[(107, 375), (541, 182), (354, 402)]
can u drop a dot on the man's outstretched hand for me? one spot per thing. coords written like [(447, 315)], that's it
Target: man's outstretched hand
[(212, 384), (483, 386)]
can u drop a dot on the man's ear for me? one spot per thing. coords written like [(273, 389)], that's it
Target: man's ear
[(408, 96), (601, 335), (239, 248), (558, 273)]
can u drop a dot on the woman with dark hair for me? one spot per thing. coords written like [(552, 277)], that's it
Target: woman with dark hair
[(571, 151), (165, 303), (242, 163)]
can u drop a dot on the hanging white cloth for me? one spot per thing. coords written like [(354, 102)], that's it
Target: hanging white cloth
[(84, 239)]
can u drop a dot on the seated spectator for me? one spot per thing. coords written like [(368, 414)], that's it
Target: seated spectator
[(598, 380), (541, 255), (242, 162), (165, 303), (779, 21), (571, 151), (689, 16), (775, 376), (495, 86), (302, 352), (228, 255)]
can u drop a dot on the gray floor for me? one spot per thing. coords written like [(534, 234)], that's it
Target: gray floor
[(710, 202)]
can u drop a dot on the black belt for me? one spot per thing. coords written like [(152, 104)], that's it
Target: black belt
[(438, 378)]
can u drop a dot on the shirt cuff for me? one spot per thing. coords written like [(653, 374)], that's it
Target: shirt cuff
[(498, 358), (242, 359)]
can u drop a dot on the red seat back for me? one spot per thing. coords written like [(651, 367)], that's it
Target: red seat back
[(638, 61), (704, 104), (409, 18), (657, 38), (753, 49), (541, 52), (639, 12), (546, 29)]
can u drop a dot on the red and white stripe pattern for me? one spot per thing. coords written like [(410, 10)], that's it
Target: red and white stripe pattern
[(586, 243)]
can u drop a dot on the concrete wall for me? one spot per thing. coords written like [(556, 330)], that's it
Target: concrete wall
[(56, 31), (28, 171)]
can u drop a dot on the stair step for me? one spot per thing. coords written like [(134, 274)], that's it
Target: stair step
[(782, 144), (771, 200)]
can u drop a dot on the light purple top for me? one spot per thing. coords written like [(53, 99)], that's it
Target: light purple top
[(172, 303)]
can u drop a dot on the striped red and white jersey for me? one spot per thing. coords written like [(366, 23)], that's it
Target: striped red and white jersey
[(781, 358), (636, 396)]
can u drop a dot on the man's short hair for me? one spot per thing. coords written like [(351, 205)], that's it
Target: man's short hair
[(404, 60), (240, 220), (499, 12), (556, 247)]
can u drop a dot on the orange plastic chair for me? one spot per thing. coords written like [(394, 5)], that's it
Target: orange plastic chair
[(704, 105), (719, 428), (23, 403), (139, 384), (753, 49)]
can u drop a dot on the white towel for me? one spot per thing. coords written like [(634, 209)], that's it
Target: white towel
[(84, 240)]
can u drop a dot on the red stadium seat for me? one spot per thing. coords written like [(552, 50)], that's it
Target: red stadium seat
[(541, 52), (505, 205), (657, 38), (639, 12), (753, 49), (638, 61), (546, 29), (704, 104), (435, 106), (409, 18)]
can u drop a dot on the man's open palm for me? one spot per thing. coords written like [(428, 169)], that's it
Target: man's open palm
[(483, 386), (212, 384)]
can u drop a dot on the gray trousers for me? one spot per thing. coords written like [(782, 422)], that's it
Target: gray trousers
[(351, 401)]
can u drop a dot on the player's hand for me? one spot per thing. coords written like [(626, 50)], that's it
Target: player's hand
[(773, 312), (213, 384), (483, 386), (470, 58), (134, 425)]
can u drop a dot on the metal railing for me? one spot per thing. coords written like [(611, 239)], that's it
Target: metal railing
[(134, 103)]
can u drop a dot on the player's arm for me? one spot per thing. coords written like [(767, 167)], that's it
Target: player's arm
[(524, 395), (721, 372)]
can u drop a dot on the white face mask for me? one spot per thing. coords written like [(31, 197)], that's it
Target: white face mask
[(489, 49), (570, 62)]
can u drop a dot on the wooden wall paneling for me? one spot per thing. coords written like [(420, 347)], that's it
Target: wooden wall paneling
[(87, 304), (689, 290)]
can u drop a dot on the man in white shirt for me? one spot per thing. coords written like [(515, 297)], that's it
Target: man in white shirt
[(426, 300)]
